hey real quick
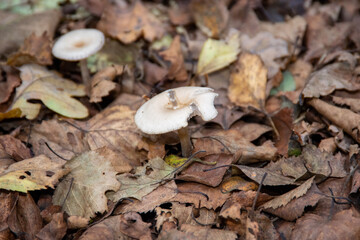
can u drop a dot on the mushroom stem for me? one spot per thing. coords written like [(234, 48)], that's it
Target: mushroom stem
[(85, 75), (186, 147)]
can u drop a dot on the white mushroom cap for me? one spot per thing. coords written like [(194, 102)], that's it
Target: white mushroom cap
[(78, 44), (158, 115)]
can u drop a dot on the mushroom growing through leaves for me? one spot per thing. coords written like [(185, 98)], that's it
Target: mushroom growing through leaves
[(171, 110), (78, 45)]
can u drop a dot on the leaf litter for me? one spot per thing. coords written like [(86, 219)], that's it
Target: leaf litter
[(280, 160)]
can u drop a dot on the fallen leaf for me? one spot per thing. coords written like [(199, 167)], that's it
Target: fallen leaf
[(190, 192), (211, 17), (141, 183), (36, 49), (82, 191), (154, 73), (269, 48), (195, 172), (132, 225), (174, 55), (56, 229), (8, 84), (25, 217), (128, 23), (343, 225), (283, 121), (330, 78), (201, 232), (237, 183), (291, 205), (53, 91), (272, 178), (19, 27), (217, 54), (179, 13), (248, 82), (289, 167), (350, 102), (31, 174), (350, 124), (249, 130), (13, 148), (102, 83)]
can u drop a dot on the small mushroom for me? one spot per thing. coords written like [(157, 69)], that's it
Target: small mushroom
[(171, 110), (78, 45)]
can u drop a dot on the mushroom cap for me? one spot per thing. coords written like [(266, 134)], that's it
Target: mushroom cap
[(158, 115), (78, 44)]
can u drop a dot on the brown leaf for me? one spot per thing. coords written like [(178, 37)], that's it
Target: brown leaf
[(343, 225), (162, 194), (283, 121), (350, 124), (36, 49), (289, 167), (268, 48), (11, 82), (330, 78), (291, 205), (102, 82), (351, 102), (56, 229), (211, 17), (174, 55), (7, 201), (250, 131), (132, 225), (20, 27), (179, 13), (25, 219), (195, 172), (14, 148), (209, 234), (128, 23), (272, 178), (154, 73), (189, 192), (248, 81), (237, 183)]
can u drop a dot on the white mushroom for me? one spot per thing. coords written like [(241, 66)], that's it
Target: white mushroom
[(171, 110), (78, 45)]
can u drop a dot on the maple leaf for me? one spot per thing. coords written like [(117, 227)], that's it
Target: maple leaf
[(54, 91)]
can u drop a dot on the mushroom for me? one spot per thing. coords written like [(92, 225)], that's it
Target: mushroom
[(77, 45), (171, 110)]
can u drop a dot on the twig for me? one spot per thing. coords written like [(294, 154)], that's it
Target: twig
[(68, 192), (55, 152), (258, 192)]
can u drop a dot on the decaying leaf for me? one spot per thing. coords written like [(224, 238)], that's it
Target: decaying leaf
[(91, 175), (210, 16), (55, 92), (130, 22), (350, 124), (102, 82), (237, 183), (31, 174), (351, 102), (217, 54), (36, 49), (8, 84), (174, 55), (248, 82), (330, 78), (270, 50), (145, 179), (291, 205)]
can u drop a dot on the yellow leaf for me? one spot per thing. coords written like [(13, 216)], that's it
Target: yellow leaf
[(13, 113), (31, 174), (248, 81), (54, 91), (217, 54), (237, 183), (175, 161)]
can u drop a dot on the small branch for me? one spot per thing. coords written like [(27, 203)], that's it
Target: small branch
[(258, 192)]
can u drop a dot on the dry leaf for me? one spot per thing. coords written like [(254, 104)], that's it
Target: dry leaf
[(217, 54), (237, 183), (82, 191), (141, 183), (54, 91), (353, 103), (31, 174), (283, 121), (201, 232), (130, 22), (269, 48), (291, 205), (174, 55), (102, 82), (350, 124), (210, 16), (330, 78), (8, 84), (36, 49), (56, 229), (248, 82)]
